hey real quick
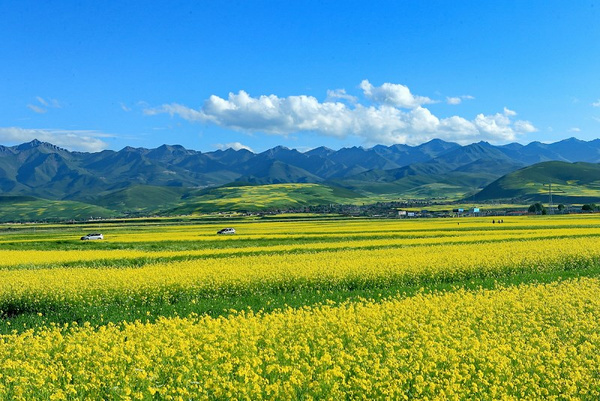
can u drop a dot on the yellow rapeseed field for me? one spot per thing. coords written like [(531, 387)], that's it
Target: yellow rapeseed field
[(438, 340), (526, 342), (324, 269)]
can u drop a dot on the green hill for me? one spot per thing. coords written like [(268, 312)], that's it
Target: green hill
[(263, 197), (452, 185), (27, 208), (571, 183), (141, 198)]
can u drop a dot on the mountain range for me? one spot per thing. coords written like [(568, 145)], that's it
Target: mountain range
[(172, 172)]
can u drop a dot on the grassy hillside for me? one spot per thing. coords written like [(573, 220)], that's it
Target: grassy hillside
[(450, 186), (141, 199), (263, 197), (571, 183), (25, 208)]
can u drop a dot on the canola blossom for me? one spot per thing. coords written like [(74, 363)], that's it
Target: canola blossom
[(139, 286), (525, 342), (187, 244), (319, 270)]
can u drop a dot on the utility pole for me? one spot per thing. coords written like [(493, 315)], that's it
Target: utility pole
[(550, 209), (556, 191)]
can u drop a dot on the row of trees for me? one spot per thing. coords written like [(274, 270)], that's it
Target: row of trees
[(539, 208)]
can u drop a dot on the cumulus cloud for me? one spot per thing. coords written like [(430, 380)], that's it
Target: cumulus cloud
[(387, 121), (234, 146), (393, 95), (575, 129), (524, 127), (596, 103), (87, 141)]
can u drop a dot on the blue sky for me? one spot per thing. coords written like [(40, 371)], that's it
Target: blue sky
[(206, 75)]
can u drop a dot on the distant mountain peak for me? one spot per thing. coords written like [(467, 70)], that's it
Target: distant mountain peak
[(322, 149), (437, 144), (512, 145), (29, 145), (131, 149), (36, 144), (278, 149), (435, 141)]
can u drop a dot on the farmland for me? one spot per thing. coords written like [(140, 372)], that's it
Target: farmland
[(305, 308)]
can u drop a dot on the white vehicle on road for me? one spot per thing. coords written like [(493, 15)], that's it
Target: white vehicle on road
[(92, 236), (226, 231)]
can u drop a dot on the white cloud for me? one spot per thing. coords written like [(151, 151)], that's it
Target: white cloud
[(174, 108), (385, 123), (458, 99), (42, 101), (233, 145), (124, 107), (333, 95), (37, 109), (494, 125), (393, 95), (509, 113), (73, 140), (575, 129), (46, 103), (596, 103), (524, 127)]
